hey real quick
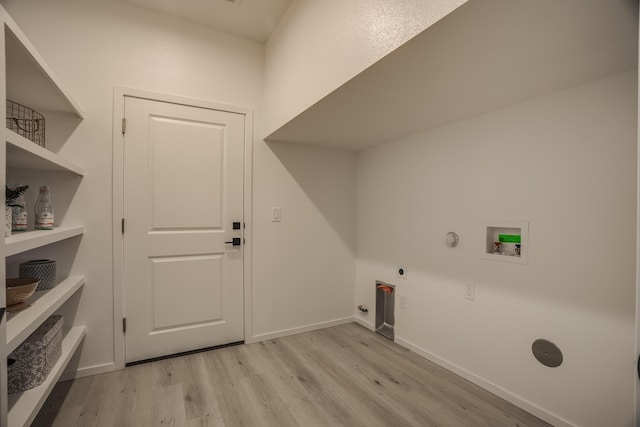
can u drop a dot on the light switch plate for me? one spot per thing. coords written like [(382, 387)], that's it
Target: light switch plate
[(470, 291), (276, 214)]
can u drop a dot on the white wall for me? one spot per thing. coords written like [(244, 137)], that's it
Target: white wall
[(566, 163), (319, 45), (304, 266), (93, 46)]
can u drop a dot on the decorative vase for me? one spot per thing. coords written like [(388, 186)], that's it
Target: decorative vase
[(14, 197), (44, 210)]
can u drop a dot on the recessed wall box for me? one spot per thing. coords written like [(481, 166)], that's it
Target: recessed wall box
[(385, 307), (506, 241)]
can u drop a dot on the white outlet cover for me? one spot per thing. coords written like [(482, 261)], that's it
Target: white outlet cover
[(403, 302), (401, 271)]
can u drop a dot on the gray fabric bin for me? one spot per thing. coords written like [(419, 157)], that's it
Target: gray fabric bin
[(30, 363)]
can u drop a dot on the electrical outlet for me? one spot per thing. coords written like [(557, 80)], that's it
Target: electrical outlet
[(470, 291), (403, 302), (402, 271)]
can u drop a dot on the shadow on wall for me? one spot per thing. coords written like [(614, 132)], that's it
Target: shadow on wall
[(328, 178), (59, 130)]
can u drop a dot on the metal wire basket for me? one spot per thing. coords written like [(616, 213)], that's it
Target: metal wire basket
[(25, 122)]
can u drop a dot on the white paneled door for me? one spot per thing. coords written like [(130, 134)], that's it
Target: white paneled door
[(183, 192)]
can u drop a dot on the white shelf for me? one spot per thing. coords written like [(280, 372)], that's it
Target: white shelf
[(27, 240), (30, 80), (43, 304), (23, 407), (24, 154), (469, 63), (27, 79)]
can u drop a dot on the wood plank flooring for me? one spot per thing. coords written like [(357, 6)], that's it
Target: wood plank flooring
[(340, 376)]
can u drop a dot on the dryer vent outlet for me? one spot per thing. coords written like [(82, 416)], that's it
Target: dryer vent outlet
[(385, 304)]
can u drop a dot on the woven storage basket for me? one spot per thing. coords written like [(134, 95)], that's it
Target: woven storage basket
[(41, 269), (25, 122), (30, 363)]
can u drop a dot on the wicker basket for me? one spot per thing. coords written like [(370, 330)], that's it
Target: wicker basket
[(30, 363), (25, 122)]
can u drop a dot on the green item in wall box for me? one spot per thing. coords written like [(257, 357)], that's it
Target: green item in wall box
[(508, 238)]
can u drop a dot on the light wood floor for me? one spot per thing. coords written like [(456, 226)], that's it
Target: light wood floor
[(341, 376)]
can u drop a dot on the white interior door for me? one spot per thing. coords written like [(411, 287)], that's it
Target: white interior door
[(183, 190)]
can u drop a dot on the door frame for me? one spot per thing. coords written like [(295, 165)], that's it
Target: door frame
[(636, 364), (119, 94)]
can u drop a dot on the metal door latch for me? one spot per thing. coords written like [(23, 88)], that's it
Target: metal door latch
[(236, 241)]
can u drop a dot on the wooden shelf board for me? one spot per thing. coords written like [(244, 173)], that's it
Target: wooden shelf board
[(23, 407), (43, 304), (25, 155), (27, 240)]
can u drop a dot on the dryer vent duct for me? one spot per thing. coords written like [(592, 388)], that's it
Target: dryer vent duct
[(385, 303)]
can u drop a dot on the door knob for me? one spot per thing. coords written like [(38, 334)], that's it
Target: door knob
[(235, 241)]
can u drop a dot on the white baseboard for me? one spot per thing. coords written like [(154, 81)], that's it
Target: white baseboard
[(88, 371), (362, 322), (487, 385), (298, 330)]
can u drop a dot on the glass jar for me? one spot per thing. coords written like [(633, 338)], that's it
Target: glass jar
[(44, 210)]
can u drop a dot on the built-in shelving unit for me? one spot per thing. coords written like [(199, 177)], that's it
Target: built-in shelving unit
[(25, 155), (43, 304), (28, 240), (23, 407), (30, 81)]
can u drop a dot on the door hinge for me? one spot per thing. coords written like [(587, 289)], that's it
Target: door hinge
[(122, 225), (124, 325), (124, 125)]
